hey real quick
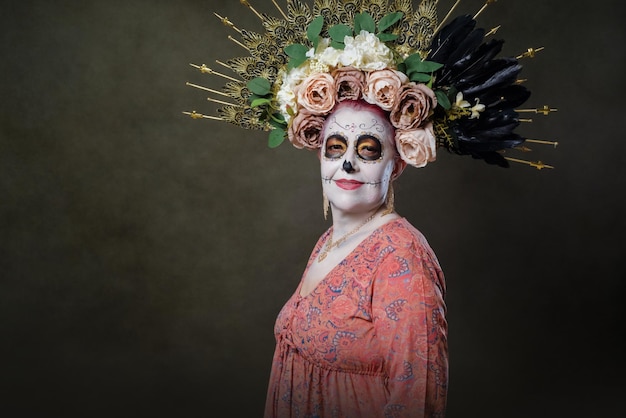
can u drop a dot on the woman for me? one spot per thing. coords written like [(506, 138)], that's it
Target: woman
[(371, 86), (364, 335)]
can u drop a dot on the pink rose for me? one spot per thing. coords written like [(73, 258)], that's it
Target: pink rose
[(382, 87), (413, 106), (349, 83), (417, 147), (317, 93), (305, 130)]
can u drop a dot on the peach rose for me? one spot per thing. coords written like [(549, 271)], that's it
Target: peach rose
[(417, 147), (305, 130), (317, 93), (413, 106), (382, 87), (349, 83)]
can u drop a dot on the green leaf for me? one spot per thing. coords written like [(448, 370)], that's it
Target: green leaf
[(277, 120), (364, 21), (339, 32), (442, 99), (389, 20), (337, 45), (296, 51), (277, 136), (315, 28), (430, 66), (296, 62), (419, 77), (259, 86), (260, 102), (386, 37), (414, 63)]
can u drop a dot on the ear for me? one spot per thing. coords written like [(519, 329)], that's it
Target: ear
[(398, 167)]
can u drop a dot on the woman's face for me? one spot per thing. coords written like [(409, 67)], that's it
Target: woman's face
[(357, 159)]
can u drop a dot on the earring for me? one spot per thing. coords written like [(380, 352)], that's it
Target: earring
[(325, 205), (389, 201)]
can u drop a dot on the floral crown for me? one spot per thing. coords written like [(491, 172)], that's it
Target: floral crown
[(442, 86)]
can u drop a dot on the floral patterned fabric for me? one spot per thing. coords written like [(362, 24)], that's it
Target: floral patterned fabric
[(370, 340)]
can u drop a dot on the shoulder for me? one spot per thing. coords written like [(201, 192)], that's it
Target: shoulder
[(404, 238), (408, 254)]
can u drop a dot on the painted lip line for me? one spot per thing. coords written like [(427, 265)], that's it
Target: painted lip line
[(348, 184)]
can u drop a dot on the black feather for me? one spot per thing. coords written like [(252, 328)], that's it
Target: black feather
[(502, 98), (475, 62), (470, 66), (446, 41), (499, 73), (466, 46)]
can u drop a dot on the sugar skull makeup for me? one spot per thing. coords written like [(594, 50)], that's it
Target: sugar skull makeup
[(358, 156)]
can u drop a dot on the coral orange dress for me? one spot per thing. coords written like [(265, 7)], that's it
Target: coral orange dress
[(370, 340)]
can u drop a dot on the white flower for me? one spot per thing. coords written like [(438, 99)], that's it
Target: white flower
[(460, 102), (326, 55), (476, 109), (286, 96), (366, 52), (464, 104)]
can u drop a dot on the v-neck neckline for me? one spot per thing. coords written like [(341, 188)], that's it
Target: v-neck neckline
[(350, 255)]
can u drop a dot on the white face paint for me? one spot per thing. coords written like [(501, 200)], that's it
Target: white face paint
[(357, 159)]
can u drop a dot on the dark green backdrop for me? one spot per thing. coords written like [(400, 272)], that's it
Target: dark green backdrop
[(144, 255)]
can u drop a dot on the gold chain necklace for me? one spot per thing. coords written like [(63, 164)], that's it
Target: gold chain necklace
[(330, 244)]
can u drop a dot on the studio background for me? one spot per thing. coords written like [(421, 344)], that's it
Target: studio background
[(144, 256)]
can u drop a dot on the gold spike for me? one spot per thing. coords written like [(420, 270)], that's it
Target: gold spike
[(540, 141), (206, 70), (207, 89), (238, 43), (279, 9), (227, 22), (523, 149), (195, 115), (487, 3), (538, 165), (521, 80), (447, 16), (530, 53), (226, 66), (210, 99), (545, 110), (526, 120), (249, 6), (493, 31)]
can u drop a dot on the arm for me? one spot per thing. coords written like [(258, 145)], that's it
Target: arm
[(409, 315)]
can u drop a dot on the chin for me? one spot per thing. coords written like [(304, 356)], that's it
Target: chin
[(354, 206)]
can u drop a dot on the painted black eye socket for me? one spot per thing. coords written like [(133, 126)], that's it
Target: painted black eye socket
[(369, 148), (336, 146)]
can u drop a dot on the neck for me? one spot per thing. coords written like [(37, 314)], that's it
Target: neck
[(344, 222)]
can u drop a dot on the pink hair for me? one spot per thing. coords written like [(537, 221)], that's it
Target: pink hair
[(361, 104)]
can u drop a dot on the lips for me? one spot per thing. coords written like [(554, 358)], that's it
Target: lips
[(348, 184)]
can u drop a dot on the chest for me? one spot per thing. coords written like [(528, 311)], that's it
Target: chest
[(332, 326)]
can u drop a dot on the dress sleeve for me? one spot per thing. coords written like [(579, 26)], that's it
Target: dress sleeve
[(409, 316)]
